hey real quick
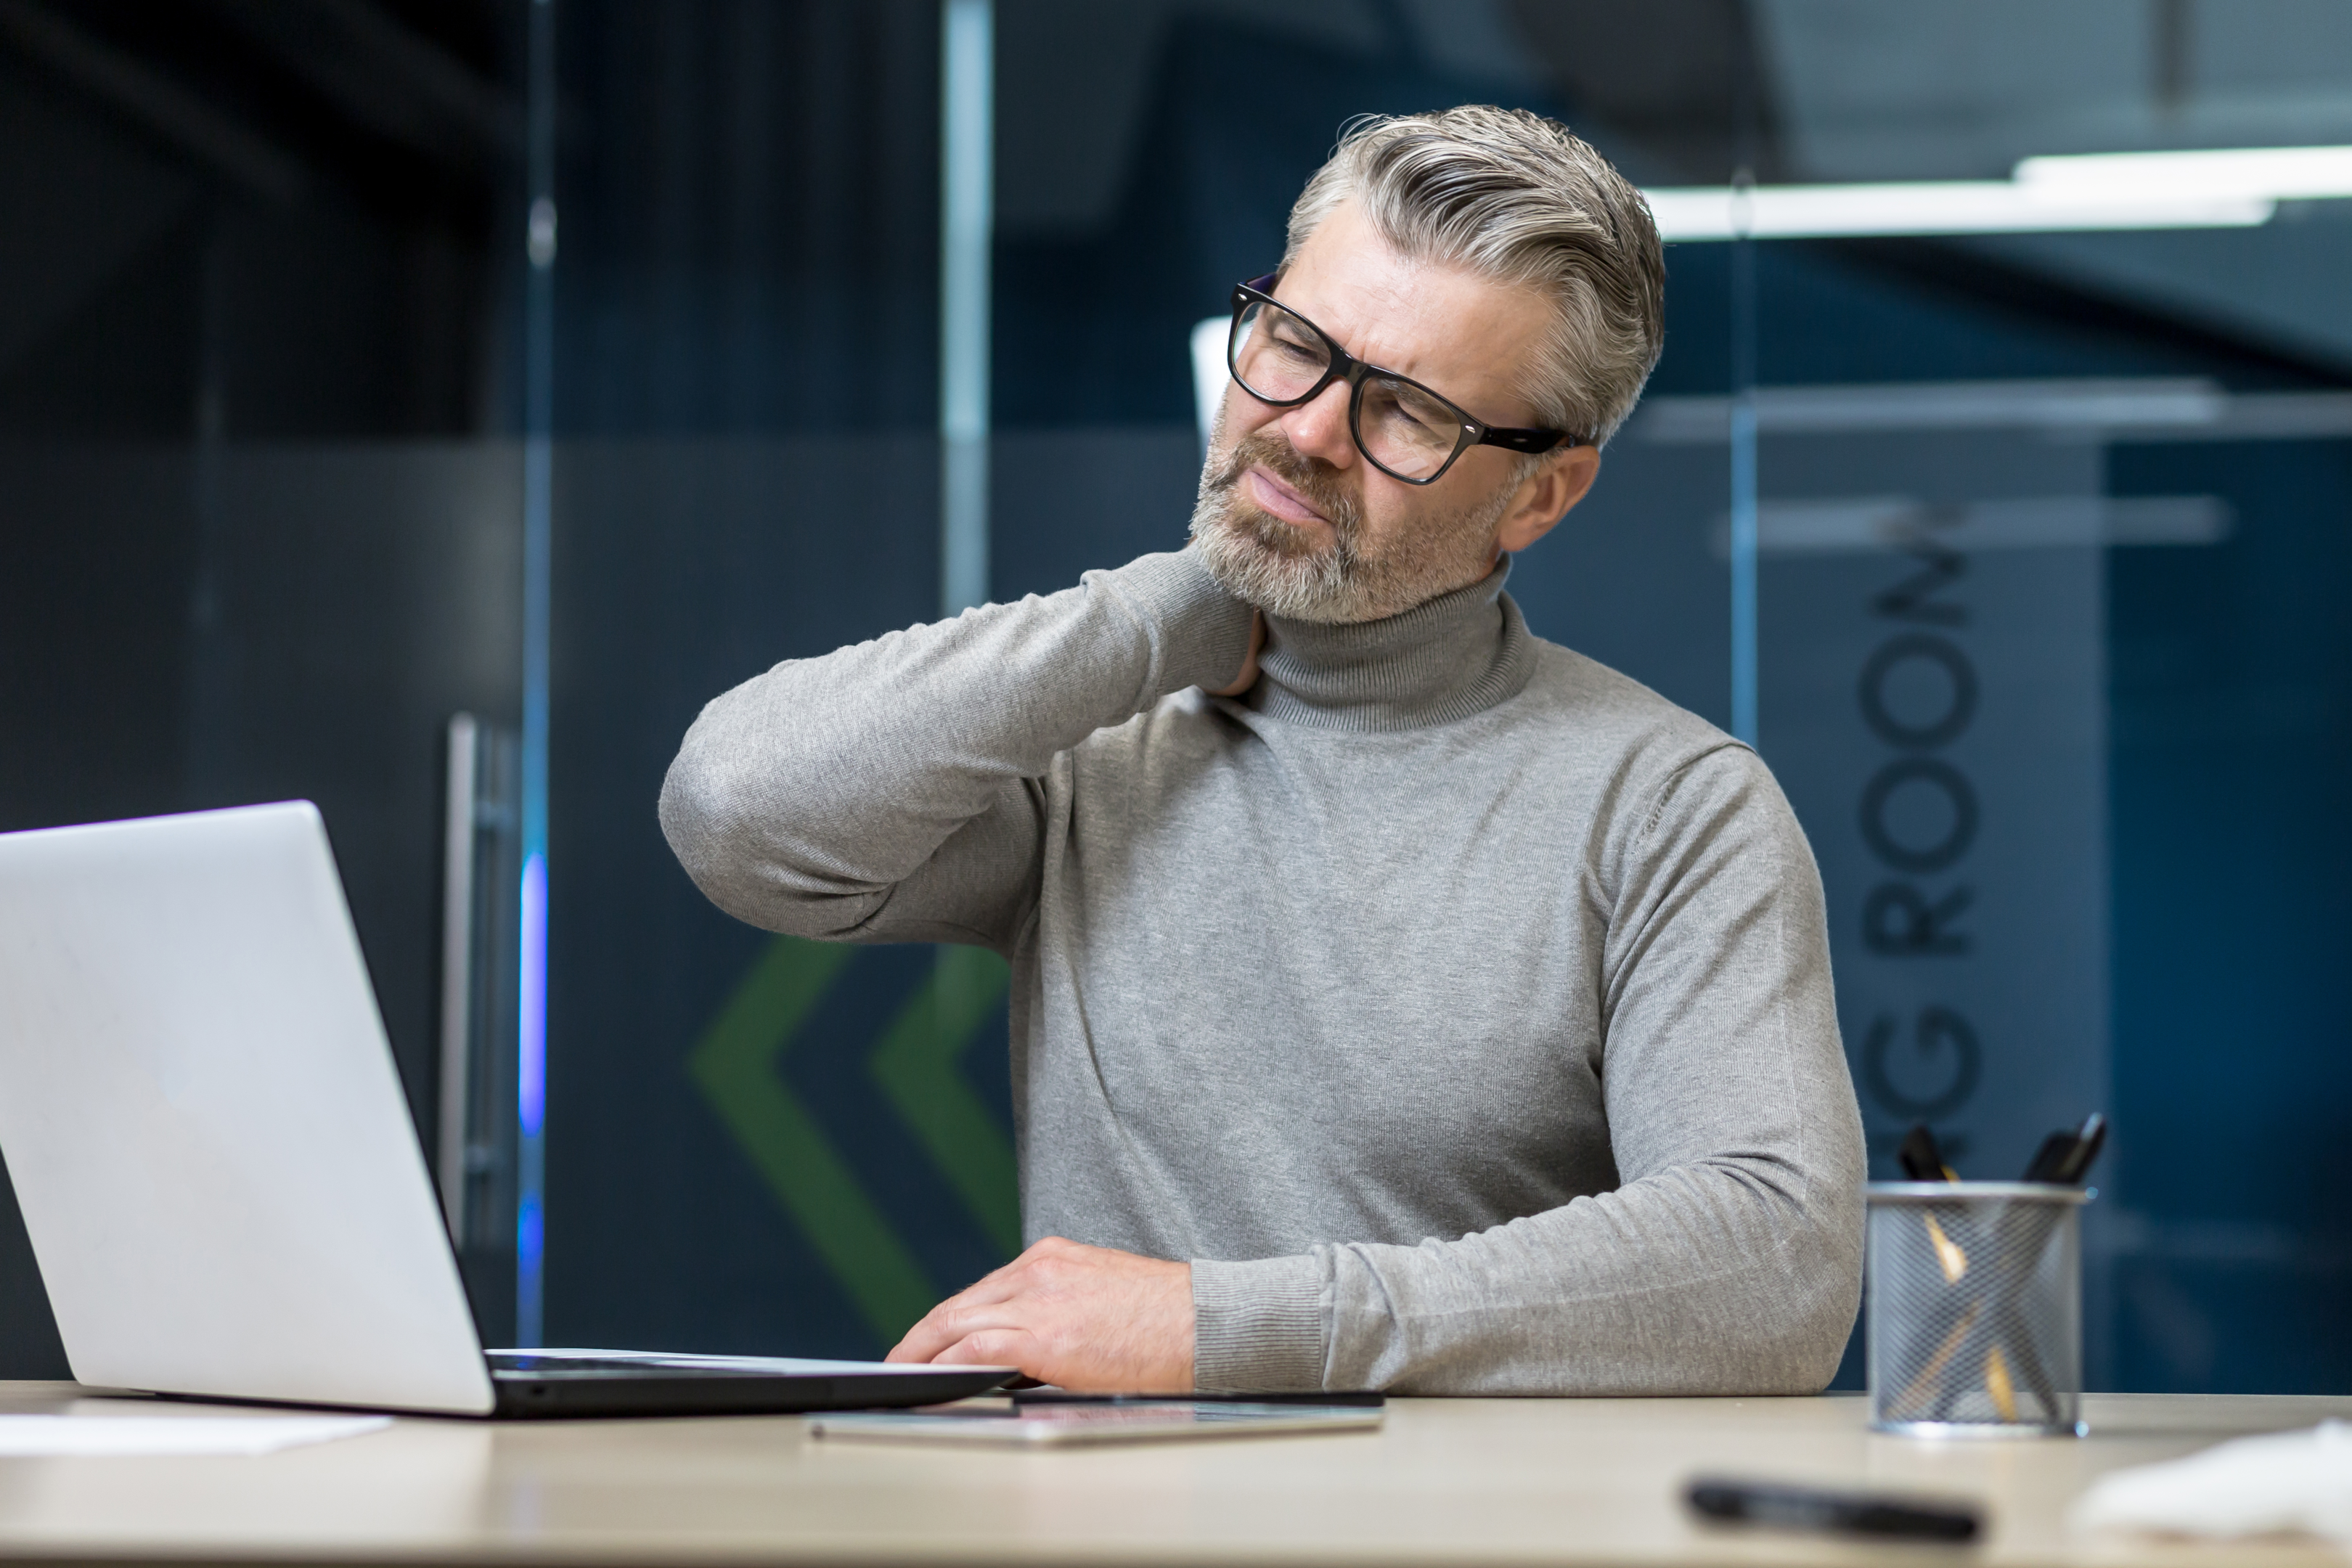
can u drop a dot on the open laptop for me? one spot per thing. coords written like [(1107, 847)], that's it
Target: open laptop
[(217, 1166)]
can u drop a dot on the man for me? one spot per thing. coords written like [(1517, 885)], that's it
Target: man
[(1399, 1001)]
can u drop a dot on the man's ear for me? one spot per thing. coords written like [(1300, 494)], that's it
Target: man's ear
[(1546, 496)]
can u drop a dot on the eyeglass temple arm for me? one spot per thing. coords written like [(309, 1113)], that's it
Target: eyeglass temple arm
[(1530, 440)]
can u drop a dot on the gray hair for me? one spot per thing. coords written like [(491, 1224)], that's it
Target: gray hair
[(1521, 200)]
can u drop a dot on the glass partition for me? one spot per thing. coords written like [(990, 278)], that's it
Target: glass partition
[(258, 508), (2015, 491)]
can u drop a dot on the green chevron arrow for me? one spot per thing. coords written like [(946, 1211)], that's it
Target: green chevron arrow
[(738, 1064), (915, 1064)]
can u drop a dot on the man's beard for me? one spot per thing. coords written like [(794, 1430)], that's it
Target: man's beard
[(1268, 563)]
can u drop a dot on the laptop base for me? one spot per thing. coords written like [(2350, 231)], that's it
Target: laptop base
[(541, 1388)]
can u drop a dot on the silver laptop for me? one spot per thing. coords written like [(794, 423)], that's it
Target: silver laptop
[(217, 1166)]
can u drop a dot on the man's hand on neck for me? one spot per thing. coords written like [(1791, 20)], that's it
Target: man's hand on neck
[(1079, 1316), (1248, 677)]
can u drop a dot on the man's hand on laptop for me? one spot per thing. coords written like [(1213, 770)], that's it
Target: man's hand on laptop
[(1080, 1317)]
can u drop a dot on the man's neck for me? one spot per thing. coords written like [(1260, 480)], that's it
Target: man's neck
[(1439, 662)]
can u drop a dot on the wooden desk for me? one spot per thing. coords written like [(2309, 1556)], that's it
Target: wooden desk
[(1450, 1482)]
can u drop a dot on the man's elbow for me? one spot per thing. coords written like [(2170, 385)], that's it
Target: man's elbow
[(710, 829), (702, 810), (716, 818), (1803, 1335)]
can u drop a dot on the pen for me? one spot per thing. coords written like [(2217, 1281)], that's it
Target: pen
[(2064, 1158), (1993, 1320), (2089, 1139), (1842, 1513), (1923, 1161), (1920, 1157)]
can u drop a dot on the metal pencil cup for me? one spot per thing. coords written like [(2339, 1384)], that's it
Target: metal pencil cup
[(1976, 1309)]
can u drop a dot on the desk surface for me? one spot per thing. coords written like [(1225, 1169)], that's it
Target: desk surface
[(1452, 1482)]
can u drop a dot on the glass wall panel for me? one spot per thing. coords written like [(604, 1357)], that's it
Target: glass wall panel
[(2051, 685), (745, 471), (754, 1143), (258, 518)]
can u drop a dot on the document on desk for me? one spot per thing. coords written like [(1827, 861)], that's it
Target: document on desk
[(1033, 1426), (128, 1437)]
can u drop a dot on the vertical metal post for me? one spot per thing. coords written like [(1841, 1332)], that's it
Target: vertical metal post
[(967, 221), (1747, 138), (207, 607), (461, 808), (1744, 628), (538, 535)]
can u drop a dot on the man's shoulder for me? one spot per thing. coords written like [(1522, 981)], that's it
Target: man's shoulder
[(1657, 771), (1584, 703)]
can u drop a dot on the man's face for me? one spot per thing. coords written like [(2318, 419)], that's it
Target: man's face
[(1293, 519)]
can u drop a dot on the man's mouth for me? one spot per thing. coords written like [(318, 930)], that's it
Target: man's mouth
[(1278, 499)]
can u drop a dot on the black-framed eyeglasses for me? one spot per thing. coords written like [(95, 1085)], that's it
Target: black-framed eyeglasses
[(1403, 429)]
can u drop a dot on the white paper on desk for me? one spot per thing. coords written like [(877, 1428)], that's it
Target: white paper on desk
[(76, 1437), (2286, 1480)]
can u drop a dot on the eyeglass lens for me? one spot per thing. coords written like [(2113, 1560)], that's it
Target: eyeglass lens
[(1279, 357)]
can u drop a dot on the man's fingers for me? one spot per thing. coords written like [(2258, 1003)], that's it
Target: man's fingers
[(1248, 675), (952, 1320), (1013, 1317), (933, 1334), (929, 1336), (995, 1347)]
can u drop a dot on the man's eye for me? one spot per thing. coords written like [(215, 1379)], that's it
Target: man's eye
[(1408, 421)]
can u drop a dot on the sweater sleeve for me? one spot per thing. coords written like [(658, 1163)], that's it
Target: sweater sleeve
[(1728, 1259), (887, 792)]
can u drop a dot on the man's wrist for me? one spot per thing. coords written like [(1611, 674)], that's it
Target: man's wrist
[(1259, 1327), (1201, 634)]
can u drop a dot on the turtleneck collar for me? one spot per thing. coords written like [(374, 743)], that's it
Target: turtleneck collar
[(1437, 663)]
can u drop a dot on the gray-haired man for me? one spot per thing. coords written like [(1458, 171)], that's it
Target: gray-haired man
[(1399, 1001)]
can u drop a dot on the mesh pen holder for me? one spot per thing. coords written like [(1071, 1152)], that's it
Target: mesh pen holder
[(1976, 1309)]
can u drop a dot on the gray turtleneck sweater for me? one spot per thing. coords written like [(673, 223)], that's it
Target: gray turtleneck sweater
[(1460, 1008)]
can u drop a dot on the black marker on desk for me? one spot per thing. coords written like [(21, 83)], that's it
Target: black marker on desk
[(1839, 1513)]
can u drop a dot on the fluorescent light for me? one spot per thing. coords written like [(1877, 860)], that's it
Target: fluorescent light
[(2138, 408), (2092, 407), (2241, 174), (2229, 187), (1847, 525), (1936, 206)]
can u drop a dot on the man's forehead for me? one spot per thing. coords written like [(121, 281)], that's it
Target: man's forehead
[(1465, 335)]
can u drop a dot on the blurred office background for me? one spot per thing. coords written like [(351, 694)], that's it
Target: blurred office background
[(557, 363)]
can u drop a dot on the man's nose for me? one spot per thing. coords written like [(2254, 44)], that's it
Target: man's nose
[(1318, 428)]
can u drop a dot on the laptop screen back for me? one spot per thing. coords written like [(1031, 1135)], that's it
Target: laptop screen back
[(208, 1136)]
